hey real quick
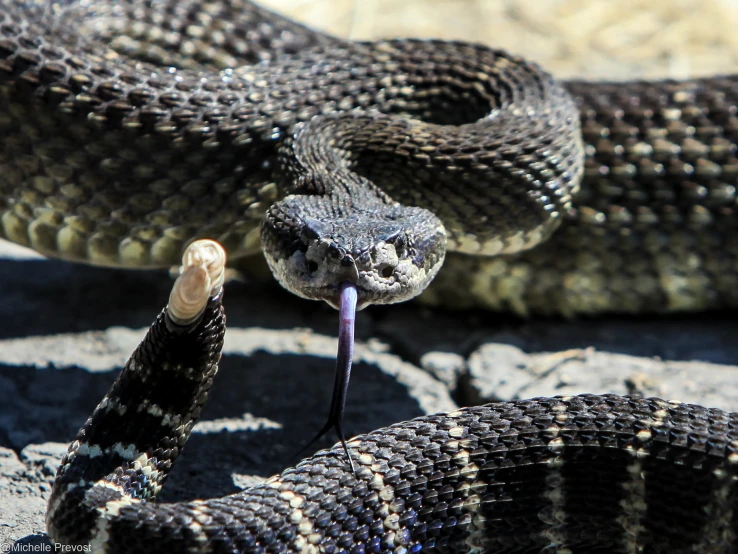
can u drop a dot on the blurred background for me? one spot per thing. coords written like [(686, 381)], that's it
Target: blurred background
[(571, 38)]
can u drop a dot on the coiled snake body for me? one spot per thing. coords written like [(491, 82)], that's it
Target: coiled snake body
[(116, 161), (121, 144)]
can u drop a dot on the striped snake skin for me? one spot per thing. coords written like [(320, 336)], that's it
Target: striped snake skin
[(565, 474)]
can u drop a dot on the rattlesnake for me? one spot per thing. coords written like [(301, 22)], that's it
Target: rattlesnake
[(356, 166)]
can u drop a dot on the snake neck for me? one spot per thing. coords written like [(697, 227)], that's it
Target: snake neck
[(375, 199), (335, 226)]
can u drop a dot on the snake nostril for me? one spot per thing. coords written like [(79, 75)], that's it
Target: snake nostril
[(312, 267), (387, 271)]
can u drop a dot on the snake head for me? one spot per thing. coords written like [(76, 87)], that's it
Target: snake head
[(389, 252)]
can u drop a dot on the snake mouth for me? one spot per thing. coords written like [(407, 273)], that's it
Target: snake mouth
[(332, 294)]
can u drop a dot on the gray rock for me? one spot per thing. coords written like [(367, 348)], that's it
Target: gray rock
[(42, 460), (503, 372), (447, 367)]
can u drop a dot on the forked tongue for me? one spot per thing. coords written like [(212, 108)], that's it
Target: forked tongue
[(347, 320)]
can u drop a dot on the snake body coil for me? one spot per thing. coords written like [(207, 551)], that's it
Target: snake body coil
[(578, 474), (112, 160)]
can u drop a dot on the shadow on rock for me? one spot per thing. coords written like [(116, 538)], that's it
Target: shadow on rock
[(414, 331), (46, 297), (262, 410)]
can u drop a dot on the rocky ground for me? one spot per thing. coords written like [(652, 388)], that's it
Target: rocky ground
[(65, 329)]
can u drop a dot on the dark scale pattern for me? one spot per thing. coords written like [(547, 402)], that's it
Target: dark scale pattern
[(654, 227), (192, 34), (114, 161), (120, 163), (587, 473)]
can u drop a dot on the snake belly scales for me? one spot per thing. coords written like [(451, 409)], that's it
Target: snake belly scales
[(120, 162)]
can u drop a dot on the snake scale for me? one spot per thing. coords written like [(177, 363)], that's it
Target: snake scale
[(129, 129)]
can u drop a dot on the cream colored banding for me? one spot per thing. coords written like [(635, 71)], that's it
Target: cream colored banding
[(201, 276)]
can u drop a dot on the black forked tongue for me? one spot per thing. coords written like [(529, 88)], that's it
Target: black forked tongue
[(347, 315)]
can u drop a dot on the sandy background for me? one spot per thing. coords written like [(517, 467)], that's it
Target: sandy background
[(572, 38), (65, 329)]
